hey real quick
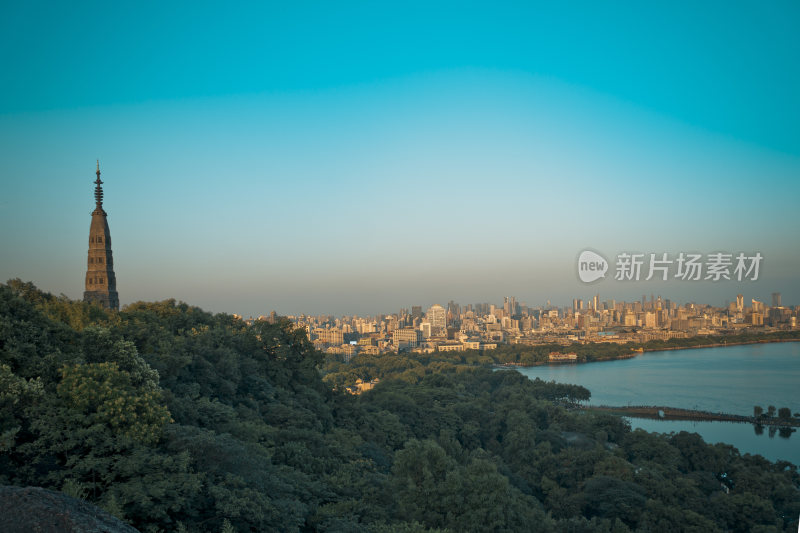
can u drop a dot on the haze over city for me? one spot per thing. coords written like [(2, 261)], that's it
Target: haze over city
[(367, 158)]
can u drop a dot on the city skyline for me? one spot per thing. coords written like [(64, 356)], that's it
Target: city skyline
[(586, 305), (367, 158), (484, 327)]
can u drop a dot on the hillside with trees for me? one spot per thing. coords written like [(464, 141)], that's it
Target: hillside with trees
[(175, 419)]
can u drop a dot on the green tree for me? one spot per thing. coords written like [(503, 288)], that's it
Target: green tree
[(477, 498), (106, 396), (419, 474), (608, 497)]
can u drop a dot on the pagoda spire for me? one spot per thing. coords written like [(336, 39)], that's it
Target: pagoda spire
[(98, 191)]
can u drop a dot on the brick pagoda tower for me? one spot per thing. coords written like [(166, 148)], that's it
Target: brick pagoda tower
[(101, 283)]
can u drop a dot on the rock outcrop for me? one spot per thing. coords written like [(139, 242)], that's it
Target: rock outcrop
[(37, 510)]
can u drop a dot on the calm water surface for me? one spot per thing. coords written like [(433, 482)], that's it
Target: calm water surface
[(729, 379)]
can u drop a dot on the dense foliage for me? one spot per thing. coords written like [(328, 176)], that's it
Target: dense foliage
[(179, 420)]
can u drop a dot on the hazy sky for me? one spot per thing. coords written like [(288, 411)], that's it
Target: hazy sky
[(346, 158)]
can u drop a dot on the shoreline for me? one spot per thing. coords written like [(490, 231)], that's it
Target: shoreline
[(714, 345), (642, 351), (674, 413)]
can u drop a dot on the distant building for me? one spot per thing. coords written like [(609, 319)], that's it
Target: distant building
[(509, 305), (349, 351), (557, 357), (331, 337), (101, 282), (271, 319), (362, 386), (776, 299), (437, 317), (451, 347), (406, 338), (425, 328)]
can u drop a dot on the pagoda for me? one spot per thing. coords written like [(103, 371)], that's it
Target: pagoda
[(101, 283)]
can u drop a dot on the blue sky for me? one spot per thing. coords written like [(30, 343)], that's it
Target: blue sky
[(361, 157)]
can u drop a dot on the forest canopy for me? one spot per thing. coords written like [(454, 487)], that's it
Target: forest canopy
[(176, 419)]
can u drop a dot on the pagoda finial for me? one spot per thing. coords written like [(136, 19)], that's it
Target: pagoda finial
[(98, 190)]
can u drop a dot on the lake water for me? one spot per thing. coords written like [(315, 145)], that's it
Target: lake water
[(728, 379)]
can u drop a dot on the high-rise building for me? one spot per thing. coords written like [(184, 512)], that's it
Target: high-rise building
[(453, 308), (425, 328), (437, 317), (776, 299), (101, 283), (739, 302), (509, 305)]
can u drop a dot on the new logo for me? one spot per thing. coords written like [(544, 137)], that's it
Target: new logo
[(591, 266)]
